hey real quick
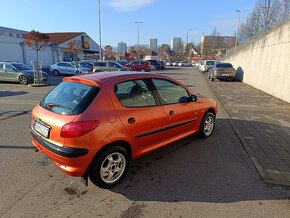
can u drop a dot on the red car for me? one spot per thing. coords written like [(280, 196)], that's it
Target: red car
[(140, 66), (93, 125)]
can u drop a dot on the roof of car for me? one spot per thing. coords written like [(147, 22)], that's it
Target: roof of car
[(99, 78)]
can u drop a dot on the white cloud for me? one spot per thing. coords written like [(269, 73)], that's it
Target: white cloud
[(128, 5)]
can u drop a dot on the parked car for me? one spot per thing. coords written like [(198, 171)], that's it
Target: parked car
[(169, 63), (93, 125), (223, 71), (155, 63), (162, 64), (140, 66), (19, 72), (184, 64), (206, 66), (87, 64), (175, 63), (67, 68), (102, 66)]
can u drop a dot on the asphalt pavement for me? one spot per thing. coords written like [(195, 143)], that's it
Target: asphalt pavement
[(213, 177)]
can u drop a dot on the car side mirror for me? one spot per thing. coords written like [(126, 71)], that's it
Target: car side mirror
[(14, 69), (194, 98)]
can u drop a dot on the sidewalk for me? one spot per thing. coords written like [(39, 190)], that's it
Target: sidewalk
[(262, 123)]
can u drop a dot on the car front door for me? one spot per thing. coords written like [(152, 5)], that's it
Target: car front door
[(182, 113), (142, 117)]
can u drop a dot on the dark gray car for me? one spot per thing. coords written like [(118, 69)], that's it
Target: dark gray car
[(18, 72)]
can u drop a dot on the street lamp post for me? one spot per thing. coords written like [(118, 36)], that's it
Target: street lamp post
[(187, 44), (100, 35), (138, 51), (238, 27)]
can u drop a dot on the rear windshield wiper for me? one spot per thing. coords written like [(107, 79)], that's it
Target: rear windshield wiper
[(50, 105)]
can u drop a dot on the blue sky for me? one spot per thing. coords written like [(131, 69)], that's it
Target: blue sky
[(162, 19)]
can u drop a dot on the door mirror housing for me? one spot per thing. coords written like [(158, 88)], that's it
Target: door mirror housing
[(194, 98)]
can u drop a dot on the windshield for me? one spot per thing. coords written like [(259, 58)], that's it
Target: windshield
[(210, 63), (22, 66), (69, 98)]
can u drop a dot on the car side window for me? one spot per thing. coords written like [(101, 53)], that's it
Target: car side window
[(1, 66), (171, 93), (134, 93), (102, 64), (111, 64), (9, 67)]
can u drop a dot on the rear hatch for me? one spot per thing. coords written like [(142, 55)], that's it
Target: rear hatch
[(59, 107)]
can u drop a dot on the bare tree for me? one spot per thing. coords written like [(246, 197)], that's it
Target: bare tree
[(285, 10), (36, 41)]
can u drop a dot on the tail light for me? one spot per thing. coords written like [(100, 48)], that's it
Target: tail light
[(76, 129)]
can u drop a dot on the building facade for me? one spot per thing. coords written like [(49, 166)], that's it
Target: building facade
[(122, 47), (176, 44), (12, 47), (216, 45), (153, 45)]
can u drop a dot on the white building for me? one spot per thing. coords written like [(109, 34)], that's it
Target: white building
[(176, 44), (12, 47), (153, 45), (122, 47)]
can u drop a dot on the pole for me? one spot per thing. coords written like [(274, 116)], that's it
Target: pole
[(238, 27), (138, 50), (100, 35), (187, 44)]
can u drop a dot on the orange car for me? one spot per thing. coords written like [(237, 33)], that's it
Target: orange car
[(93, 125)]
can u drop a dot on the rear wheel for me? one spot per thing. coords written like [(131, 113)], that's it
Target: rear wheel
[(207, 125), (23, 80), (56, 72), (109, 167)]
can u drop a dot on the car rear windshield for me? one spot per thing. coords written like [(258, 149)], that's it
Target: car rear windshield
[(225, 65), (69, 98)]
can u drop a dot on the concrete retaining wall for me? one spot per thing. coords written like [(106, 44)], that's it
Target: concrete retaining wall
[(265, 62)]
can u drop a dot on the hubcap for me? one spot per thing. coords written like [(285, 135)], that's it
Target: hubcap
[(23, 80), (113, 167), (208, 125)]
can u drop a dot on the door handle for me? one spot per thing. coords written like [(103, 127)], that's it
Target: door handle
[(171, 113), (131, 120)]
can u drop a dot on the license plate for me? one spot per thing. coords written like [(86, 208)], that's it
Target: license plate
[(40, 128), (225, 74)]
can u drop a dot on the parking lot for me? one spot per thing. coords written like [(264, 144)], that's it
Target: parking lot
[(214, 177)]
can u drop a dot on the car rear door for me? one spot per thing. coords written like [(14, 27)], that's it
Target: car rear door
[(2, 72), (142, 117), (182, 114), (11, 73)]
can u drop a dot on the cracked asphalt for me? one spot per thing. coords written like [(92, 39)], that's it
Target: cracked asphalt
[(191, 178)]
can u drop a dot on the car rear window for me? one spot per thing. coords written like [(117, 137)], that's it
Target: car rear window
[(210, 63), (69, 98), (224, 65)]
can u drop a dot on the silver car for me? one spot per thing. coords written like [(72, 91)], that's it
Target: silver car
[(67, 68), (18, 72)]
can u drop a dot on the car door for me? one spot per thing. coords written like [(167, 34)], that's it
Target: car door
[(11, 73), (142, 117), (70, 69), (134, 65), (182, 113)]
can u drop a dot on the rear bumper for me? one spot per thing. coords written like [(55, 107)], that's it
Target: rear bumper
[(72, 161)]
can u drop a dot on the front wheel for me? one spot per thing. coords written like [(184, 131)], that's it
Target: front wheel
[(142, 70), (109, 167), (207, 125)]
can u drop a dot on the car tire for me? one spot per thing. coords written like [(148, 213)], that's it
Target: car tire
[(55, 72), (111, 158), (142, 70), (23, 80), (207, 125)]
